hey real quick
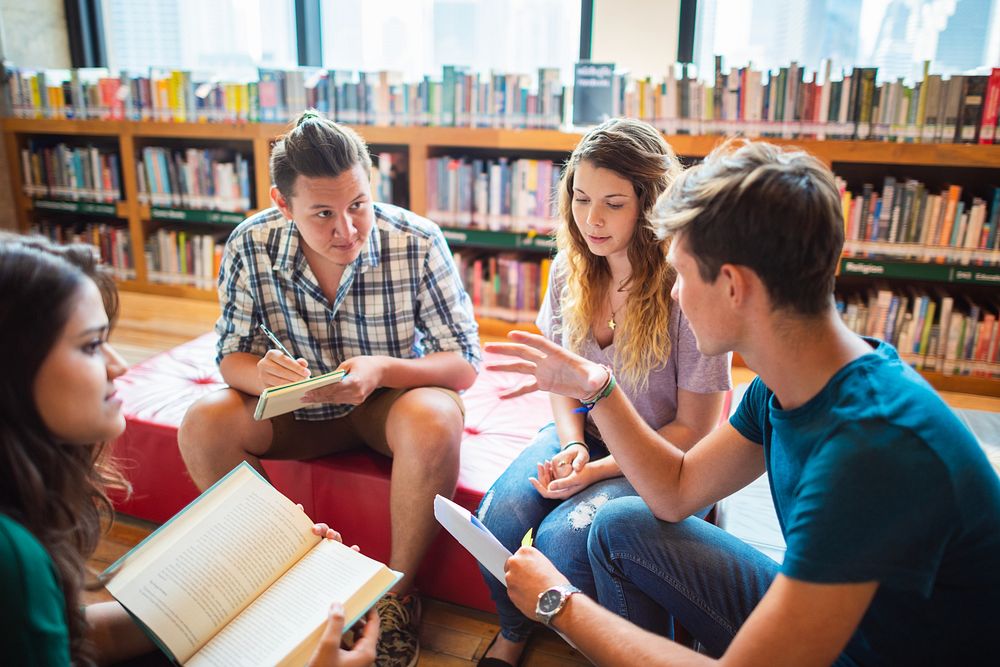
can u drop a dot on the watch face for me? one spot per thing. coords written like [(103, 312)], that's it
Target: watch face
[(549, 601)]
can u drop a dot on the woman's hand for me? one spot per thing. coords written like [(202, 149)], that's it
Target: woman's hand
[(570, 459), (330, 652), (560, 488)]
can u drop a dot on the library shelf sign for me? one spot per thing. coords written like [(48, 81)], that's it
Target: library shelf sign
[(85, 207), (499, 240), (945, 273), (197, 215)]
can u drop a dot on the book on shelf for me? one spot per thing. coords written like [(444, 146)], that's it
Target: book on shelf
[(505, 286), (931, 329), (238, 577), (194, 178), (907, 220), (73, 173), (113, 242), (498, 194), (184, 257), (285, 398), (789, 102)]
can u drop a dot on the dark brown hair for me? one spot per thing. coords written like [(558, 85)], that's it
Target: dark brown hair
[(55, 490), (316, 148), (776, 211)]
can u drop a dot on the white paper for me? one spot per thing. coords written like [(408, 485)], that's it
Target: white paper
[(472, 535)]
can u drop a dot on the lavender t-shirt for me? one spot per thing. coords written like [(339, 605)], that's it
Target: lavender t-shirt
[(686, 367)]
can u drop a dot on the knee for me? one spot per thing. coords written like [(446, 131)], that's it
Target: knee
[(428, 421), (616, 519), (210, 422)]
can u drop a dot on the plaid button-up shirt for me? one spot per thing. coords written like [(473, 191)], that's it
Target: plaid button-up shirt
[(402, 297)]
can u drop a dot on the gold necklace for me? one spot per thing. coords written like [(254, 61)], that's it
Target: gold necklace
[(611, 321)]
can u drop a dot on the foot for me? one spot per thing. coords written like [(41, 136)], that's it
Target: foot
[(399, 641), (505, 650)]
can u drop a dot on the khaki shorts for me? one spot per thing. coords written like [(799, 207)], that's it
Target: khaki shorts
[(297, 439)]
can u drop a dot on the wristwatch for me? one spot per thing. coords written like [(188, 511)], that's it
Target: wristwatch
[(552, 601)]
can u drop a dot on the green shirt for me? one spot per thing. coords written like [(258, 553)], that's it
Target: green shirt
[(33, 627)]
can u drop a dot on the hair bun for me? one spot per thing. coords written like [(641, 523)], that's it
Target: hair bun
[(308, 114)]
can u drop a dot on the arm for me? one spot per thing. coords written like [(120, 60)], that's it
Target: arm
[(114, 635), (697, 414), (796, 623), (673, 483)]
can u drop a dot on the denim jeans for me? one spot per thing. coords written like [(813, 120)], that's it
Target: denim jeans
[(650, 571), (561, 527)]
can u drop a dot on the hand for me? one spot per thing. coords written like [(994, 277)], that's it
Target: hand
[(276, 368), (364, 375), (330, 653), (529, 573), (554, 368), (549, 485), (569, 459)]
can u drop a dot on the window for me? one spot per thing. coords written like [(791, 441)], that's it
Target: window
[(226, 38), (896, 36), (417, 37)]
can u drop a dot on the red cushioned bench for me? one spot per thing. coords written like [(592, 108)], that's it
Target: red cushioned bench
[(349, 491)]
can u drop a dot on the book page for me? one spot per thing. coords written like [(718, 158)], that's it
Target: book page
[(287, 620), (202, 581)]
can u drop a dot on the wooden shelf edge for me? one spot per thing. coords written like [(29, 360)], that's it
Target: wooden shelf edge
[(490, 327), (184, 291)]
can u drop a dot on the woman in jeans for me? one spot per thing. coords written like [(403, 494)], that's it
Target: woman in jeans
[(608, 300)]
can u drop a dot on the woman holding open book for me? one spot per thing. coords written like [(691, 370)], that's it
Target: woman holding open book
[(608, 300), (57, 410)]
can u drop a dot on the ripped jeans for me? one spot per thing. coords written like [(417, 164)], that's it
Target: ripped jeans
[(561, 527)]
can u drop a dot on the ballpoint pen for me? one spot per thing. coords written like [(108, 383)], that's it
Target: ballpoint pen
[(277, 343)]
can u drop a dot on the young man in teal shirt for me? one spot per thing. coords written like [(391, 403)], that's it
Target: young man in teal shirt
[(890, 510)]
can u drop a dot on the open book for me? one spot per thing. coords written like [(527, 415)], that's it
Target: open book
[(238, 577), (284, 398)]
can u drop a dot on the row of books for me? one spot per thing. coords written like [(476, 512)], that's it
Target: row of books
[(113, 242), (790, 104), (74, 173), (460, 97), (495, 194), (181, 257), (504, 286), (386, 168), (196, 178), (905, 220), (933, 332)]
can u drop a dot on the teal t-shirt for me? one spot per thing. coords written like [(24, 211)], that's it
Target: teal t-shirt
[(32, 607), (876, 479)]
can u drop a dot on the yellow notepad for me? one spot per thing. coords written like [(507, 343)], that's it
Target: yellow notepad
[(287, 397)]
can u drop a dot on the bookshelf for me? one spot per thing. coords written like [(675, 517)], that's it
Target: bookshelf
[(421, 144)]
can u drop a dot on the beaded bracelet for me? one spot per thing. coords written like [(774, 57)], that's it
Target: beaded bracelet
[(575, 442)]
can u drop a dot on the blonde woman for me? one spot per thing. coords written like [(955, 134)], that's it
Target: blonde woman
[(609, 301)]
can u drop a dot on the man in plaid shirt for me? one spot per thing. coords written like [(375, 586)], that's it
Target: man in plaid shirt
[(344, 283)]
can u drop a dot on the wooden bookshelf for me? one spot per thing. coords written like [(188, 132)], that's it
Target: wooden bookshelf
[(420, 144)]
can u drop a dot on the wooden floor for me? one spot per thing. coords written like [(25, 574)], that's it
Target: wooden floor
[(450, 635)]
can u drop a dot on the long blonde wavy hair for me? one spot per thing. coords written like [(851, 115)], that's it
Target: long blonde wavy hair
[(635, 151)]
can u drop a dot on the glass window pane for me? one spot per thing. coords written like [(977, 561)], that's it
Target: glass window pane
[(225, 38), (417, 37), (957, 36)]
